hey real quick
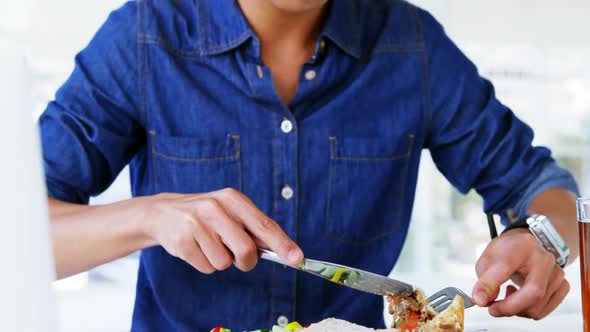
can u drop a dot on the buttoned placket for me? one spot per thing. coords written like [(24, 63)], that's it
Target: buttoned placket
[(284, 147), (285, 176)]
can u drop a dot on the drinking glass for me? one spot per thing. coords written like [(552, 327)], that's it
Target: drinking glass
[(584, 227)]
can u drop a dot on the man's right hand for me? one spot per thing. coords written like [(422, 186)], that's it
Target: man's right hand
[(212, 231)]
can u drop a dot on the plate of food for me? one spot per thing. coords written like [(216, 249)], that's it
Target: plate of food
[(410, 311), (410, 314)]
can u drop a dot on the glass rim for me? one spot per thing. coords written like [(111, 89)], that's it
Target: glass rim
[(583, 210)]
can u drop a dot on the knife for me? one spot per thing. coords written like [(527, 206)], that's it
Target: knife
[(346, 276)]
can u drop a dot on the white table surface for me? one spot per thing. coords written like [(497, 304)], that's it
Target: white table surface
[(477, 319)]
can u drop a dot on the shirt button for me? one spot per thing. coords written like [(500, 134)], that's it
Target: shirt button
[(282, 321), (259, 72), (310, 75), (287, 126), (287, 192)]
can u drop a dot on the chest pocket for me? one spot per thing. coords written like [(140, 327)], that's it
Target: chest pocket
[(367, 184), (192, 165)]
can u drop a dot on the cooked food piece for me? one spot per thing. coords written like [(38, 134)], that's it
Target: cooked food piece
[(450, 320), (409, 311), (413, 314), (410, 314)]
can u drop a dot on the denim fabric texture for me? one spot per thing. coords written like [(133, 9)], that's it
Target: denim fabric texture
[(177, 89)]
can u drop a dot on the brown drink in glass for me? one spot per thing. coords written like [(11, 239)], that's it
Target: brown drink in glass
[(584, 228)]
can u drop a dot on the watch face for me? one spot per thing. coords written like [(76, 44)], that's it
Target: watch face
[(552, 232), (544, 231)]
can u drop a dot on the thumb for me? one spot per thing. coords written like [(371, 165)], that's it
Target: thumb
[(484, 295), (487, 287)]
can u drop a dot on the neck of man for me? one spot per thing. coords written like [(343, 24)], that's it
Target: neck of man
[(284, 33)]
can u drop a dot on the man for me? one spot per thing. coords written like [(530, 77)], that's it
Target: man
[(292, 125)]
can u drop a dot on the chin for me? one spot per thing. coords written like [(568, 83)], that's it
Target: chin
[(299, 5)]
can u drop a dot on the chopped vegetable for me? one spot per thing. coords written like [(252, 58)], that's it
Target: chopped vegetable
[(329, 272), (409, 323), (291, 327), (221, 329), (336, 277), (350, 278), (277, 328), (413, 320), (294, 326), (401, 324)]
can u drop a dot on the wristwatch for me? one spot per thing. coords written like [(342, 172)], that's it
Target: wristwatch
[(542, 229)]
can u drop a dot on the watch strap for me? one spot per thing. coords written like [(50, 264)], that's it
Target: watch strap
[(523, 223), (520, 223)]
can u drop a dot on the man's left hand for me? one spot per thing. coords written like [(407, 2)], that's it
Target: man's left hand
[(518, 255)]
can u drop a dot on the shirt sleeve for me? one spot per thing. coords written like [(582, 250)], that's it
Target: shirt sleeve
[(476, 141), (92, 129), (551, 177)]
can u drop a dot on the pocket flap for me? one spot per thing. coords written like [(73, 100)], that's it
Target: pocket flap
[(354, 148), (195, 149)]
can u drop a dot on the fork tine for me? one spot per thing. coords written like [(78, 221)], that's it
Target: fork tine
[(440, 301), (443, 298), (442, 306), (439, 294)]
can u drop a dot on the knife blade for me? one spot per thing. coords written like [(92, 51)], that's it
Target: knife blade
[(346, 276)]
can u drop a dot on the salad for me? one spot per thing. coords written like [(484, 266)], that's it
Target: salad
[(291, 327)]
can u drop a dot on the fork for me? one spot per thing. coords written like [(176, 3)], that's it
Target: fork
[(443, 299)]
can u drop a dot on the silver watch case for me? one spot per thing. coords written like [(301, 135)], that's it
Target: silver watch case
[(547, 235)]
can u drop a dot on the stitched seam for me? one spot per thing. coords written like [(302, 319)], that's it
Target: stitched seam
[(249, 79), (172, 51), (232, 43), (316, 82), (275, 166), (144, 70), (205, 19), (329, 202), (403, 182), (235, 156), (163, 155), (201, 32), (191, 55), (352, 50), (139, 65), (395, 157), (154, 166), (426, 96), (157, 40), (239, 157), (396, 228), (373, 159), (400, 48)]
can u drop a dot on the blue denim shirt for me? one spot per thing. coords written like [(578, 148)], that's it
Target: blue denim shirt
[(177, 89)]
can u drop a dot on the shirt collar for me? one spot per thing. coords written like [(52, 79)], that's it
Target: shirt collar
[(223, 27), (343, 26)]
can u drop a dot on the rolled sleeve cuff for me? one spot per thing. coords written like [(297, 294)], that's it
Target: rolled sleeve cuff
[(552, 176), (65, 193)]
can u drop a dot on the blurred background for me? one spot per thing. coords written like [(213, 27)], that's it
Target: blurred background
[(535, 52)]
